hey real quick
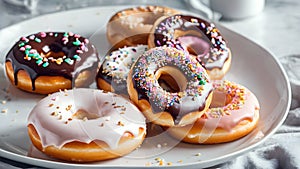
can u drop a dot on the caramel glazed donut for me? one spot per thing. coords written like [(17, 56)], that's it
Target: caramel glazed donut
[(192, 88), (199, 37), (113, 72), (95, 126), (132, 26), (49, 61), (233, 113)]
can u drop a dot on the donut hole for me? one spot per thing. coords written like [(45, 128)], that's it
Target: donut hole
[(171, 79), (144, 18), (168, 83), (147, 18), (220, 99), (53, 50), (53, 54), (84, 115)]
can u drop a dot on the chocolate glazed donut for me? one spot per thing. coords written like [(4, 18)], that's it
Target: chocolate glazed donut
[(62, 55), (198, 36), (163, 107)]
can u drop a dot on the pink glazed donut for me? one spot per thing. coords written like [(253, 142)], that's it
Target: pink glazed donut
[(233, 113), (95, 126)]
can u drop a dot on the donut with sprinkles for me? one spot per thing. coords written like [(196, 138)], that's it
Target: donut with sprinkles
[(233, 113), (47, 62), (113, 72), (85, 125), (197, 36), (183, 105)]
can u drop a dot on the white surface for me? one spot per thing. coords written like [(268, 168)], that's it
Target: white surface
[(252, 66), (230, 9), (276, 28), (237, 9)]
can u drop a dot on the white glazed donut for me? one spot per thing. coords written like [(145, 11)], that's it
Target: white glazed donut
[(233, 113), (114, 70), (84, 125)]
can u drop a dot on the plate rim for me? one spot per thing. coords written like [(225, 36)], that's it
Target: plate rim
[(221, 159)]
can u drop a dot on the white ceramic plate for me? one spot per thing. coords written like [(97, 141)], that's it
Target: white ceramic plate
[(252, 66)]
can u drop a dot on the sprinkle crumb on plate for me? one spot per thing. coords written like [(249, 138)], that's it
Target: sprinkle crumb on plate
[(198, 154)]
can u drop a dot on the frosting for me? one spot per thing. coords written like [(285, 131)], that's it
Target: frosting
[(165, 34), (117, 65), (142, 16), (186, 70), (202, 50), (85, 115), (241, 106), (53, 54)]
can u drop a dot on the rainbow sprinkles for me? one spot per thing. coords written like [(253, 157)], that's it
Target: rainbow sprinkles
[(41, 58)]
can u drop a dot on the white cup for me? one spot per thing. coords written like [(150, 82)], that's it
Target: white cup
[(231, 9)]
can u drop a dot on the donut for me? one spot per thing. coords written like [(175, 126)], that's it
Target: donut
[(113, 72), (132, 26), (47, 62), (191, 95), (196, 35), (95, 126), (233, 113)]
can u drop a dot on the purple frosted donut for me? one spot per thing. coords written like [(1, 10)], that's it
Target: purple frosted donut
[(197, 36)]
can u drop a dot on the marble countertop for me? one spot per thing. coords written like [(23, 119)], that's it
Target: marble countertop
[(277, 28)]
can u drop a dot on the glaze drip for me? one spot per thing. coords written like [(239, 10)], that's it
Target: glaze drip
[(85, 115)]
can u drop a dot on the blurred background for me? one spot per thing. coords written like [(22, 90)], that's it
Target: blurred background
[(13, 11)]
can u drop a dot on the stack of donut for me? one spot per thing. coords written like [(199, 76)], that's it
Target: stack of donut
[(164, 68), (174, 74)]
